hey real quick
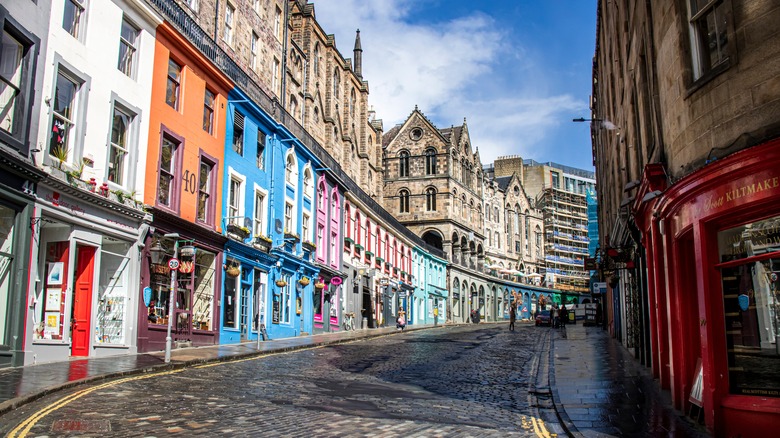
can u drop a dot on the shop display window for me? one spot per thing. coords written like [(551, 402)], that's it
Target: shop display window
[(230, 301), (751, 298), (7, 220), (113, 291), (258, 304), (51, 308), (195, 282)]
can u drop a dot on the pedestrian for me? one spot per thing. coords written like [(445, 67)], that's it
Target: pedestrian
[(512, 317), (400, 322), (436, 316)]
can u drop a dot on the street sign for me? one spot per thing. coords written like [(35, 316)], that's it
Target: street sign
[(590, 264), (173, 263)]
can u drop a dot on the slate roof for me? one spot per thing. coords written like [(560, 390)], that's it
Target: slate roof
[(388, 136), (503, 182)]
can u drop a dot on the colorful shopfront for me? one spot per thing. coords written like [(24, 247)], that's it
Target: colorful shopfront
[(85, 275), (713, 245), (195, 317)]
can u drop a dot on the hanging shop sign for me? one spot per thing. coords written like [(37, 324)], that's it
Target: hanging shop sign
[(275, 313)]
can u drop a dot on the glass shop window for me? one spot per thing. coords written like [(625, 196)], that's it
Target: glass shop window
[(232, 286), (113, 291), (751, 298)]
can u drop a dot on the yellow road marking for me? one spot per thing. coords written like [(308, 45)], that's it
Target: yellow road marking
[(539, 428), (24, 427)]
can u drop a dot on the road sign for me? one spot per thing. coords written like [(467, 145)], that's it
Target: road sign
[(173, 263)]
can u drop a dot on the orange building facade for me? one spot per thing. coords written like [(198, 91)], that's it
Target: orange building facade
[(183, 186)]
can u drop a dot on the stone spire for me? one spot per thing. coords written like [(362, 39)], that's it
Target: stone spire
[(358, 51)]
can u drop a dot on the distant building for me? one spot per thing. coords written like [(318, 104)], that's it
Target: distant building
[(559, 192)]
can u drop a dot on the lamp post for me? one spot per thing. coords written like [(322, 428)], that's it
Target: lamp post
[(172, 296)]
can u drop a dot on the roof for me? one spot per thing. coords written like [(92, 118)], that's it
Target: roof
[(503, 182), (453, 134), (390, 135)]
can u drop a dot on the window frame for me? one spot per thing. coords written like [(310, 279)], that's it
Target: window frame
[(18, 136), (209, 111), (239, 125), (702, 67), (253, 43), (430, 199), (403, 164), (260, 151), (133, 49), (131, 148), (430, 161), (175, 104), (174, 205), (234, 212), (259, 217), (403, 201), (227, 34), (211, 204), (76, 30), (75, 144)]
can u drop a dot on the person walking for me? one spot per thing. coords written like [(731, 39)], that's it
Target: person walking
[(512, 317), (436, 316), (400, 323)]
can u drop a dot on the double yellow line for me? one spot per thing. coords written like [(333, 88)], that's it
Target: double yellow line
[(24, 427)]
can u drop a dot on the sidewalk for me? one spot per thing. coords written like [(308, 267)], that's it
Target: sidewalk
[(22, 385), (600, 390)]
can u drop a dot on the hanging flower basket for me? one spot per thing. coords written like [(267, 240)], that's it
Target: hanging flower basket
[(319, 285), (281, 283), (241, 232), (304, 281), (233, 271), (187, 251)]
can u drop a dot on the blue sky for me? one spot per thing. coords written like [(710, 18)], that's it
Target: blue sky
[(517, 70)]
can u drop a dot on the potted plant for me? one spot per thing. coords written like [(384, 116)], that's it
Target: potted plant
[(309, 245), (304, 281), (319, 285), (60, 153), (281, 283)]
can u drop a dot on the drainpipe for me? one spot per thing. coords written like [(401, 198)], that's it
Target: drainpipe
[(283, 97)]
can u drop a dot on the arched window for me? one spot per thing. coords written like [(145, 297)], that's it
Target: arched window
[(308, 183), (403, 164), (357, 229), (498, 241), (293, 106), (291, 169), (496, 215), (352, 102), (471, 210), (430, 161), (336, 80), (430, 199), (316, 115), (347, 220), (463, 209), (403, 201)]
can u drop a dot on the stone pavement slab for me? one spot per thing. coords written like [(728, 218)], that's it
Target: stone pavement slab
[(600, 390)]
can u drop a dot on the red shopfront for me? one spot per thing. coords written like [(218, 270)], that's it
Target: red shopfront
[(713, 249)]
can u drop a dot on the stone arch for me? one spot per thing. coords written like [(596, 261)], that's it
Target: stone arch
[(434, 238)]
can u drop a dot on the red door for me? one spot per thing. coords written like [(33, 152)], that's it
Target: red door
[(82, 301)]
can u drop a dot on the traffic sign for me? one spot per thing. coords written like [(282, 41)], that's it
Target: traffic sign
[(173, 263)]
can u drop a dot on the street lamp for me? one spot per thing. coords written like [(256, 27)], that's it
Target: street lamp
[(171, 297), (604, 123)]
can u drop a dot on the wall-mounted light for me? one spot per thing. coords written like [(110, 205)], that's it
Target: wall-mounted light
[(652, 195)]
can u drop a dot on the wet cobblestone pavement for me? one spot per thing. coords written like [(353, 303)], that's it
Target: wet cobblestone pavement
[(454, 381)]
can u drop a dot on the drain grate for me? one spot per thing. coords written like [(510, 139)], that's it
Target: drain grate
[(81, 426)]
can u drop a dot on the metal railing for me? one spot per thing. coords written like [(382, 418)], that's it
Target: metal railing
[(185, 24)]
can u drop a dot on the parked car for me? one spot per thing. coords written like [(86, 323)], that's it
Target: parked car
[(544, 318)]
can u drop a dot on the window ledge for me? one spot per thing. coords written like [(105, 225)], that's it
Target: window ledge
[(708, 77)]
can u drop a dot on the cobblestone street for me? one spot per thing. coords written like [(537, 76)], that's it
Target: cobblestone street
[(455, 381)]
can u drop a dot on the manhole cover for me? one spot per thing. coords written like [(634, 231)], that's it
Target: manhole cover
[(81, 426)]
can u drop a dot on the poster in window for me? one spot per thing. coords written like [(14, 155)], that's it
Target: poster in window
[(53, 297), (52, 323), (54, 277)]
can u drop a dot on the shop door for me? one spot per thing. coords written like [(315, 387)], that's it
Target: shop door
[(244, 310), (82, 301)]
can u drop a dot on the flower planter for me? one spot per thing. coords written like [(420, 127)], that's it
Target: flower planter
[(309, 246), (262, 244), (304, 281), (240, 232), (281, 283), (291, 237), (187, 251), (319, 285)]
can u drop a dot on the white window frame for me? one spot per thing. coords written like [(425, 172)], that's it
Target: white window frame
[(230, 12), (77, 31), (236, 211), (130, 143), (73, 142), (260, 224), (255, 41), (128, 67)]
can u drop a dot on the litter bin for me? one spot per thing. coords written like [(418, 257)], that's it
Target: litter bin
[(364, 323)]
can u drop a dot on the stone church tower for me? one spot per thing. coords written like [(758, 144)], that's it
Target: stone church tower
[(433, 185)]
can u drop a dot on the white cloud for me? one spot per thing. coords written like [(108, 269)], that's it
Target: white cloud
[(451, 69)]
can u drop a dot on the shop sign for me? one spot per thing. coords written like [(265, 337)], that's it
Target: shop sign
[(599, 287), (147, 296), (590, 264), (748, 187), (173, 263), (275, 313)]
